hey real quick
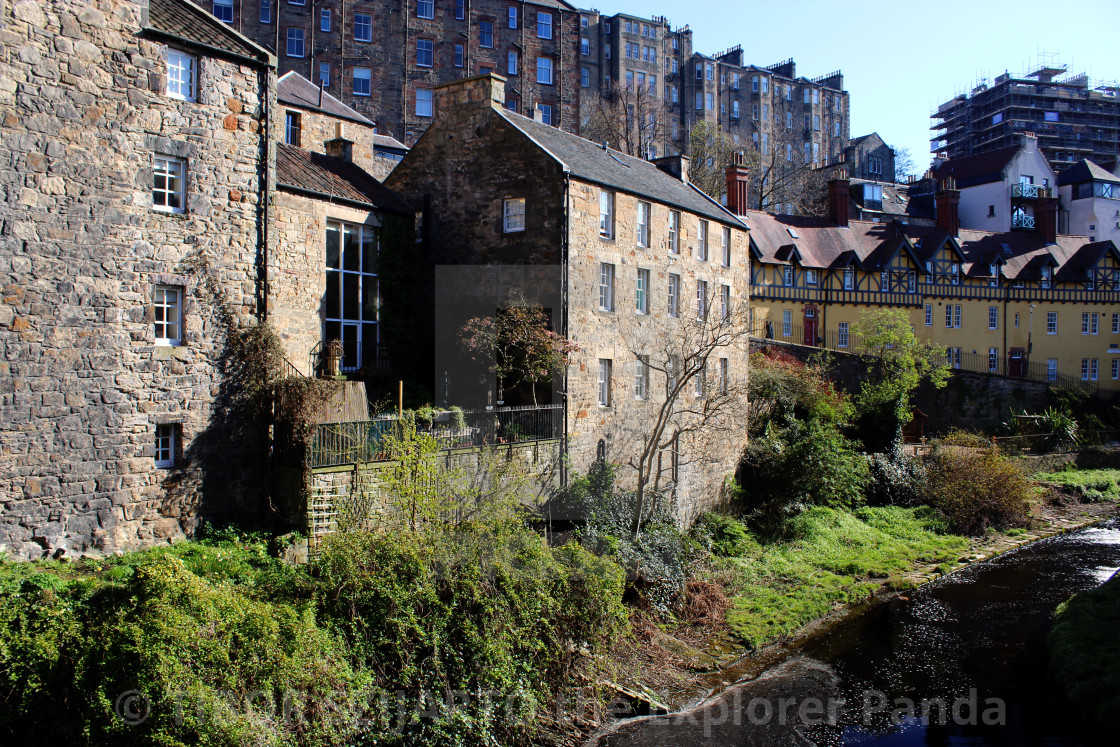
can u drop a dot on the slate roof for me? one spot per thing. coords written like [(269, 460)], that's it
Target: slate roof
[(295, 90), (183, 20), (820, 243), (897, 202), (981, 168), (1085, 171), (585, 160), (332, 178)]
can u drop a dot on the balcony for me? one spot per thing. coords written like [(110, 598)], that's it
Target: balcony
[(335, 358), (1023, 222), (1027, 191)]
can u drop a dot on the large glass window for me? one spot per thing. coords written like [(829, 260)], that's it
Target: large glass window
[(180, 75), (223, 10), (352, 298), (295, 42)]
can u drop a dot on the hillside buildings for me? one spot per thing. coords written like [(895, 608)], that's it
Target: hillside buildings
[(1071, 119)]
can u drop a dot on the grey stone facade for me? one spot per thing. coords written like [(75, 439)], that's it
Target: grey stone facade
[(84, 382)]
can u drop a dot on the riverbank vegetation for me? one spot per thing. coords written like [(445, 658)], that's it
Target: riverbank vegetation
[(1085, 653), (1088, 485)]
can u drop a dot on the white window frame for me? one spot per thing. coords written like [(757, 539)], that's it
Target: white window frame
[(293, 128), (546, 113), (511, 19), (511, 63), (993, 317), (165, 445), (725, 245), (1051, 322), (641, 292), (425, 8), (167, 314), (606, 214), (226, 7), (1115, 368), (175, 184), (842, 337), (1051, 369), (702, 241), (993, 360), (787, 323), (929, 315), (544, 71), (645, 211), (701, 299), (1085, 323), (849, 279), (425, 102), (606, 286), (957, 316), (544, 25), (296, 40), (724, 302), (641, 377), (787, 275), (182, 75), (425, 52), (265, 13), (674, 295), (325, 20), (513, 214), (605, 366), (325, 74)]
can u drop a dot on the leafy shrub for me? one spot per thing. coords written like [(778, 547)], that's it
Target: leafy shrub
[(721, 535), (656, 560), (895, 479), (807, 464), (1062, 428), (975, 487)]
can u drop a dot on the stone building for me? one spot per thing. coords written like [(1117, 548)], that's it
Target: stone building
[(134, 221), (385, 57), (142, 232), (309, 117), (868, 157), (622, 253)]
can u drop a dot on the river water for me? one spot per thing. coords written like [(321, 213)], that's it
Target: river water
[(958, 662)]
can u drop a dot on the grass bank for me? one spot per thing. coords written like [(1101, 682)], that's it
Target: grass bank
[(1085, 652), (1089, 485), (834, 557)]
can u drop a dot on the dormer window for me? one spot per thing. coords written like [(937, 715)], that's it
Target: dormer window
[(849, 279), (810, 277), (1047, 275), (181, 74), (955, 273), (787, 275)]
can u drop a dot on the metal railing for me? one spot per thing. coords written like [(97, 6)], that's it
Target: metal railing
[(334, 358), (333, 444), (1028, 191), (978, 362), (1022, 221)]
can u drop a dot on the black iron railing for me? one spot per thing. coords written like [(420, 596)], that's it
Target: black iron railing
[(333, 444)]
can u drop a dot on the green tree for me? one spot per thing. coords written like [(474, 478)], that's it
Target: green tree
[(517, 345), (899, 363)]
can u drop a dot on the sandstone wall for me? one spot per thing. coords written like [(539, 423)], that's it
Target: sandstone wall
[(82, 384)]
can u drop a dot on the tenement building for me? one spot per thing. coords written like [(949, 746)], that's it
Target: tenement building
[(1071, 118), (384, 58), (641, 270), (147, 225), (1016, 302)]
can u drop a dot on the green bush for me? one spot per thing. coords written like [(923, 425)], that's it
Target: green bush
[(975, 487), (1085, 653), (895, 479), (810, 463), (721, 535)]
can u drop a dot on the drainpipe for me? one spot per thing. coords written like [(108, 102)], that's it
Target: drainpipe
[(564, 252)]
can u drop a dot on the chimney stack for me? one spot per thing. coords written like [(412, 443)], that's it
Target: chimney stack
[(1046, 218), (481, 91), (839, 194), (676, 166), (738, 181), (948, 200)]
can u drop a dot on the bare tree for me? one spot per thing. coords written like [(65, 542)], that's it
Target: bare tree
[(786, 180), (710, 151), (696, 402), (629, 118), (903, 164)]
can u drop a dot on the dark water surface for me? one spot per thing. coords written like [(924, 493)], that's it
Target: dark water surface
[(975, 640)]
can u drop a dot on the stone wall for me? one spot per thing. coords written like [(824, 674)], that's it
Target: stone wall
[(297, 277), (82, 383), (317, 128), (356, 490), (708, 456)]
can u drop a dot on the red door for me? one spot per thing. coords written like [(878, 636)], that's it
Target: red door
[(810, 327), (1016, 362)]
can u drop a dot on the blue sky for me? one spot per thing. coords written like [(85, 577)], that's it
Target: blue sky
[(900, 60)]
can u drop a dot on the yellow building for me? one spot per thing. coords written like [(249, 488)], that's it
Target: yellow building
[(1017, 303)]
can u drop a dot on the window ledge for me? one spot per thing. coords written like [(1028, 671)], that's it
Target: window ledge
[(166, 352)]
